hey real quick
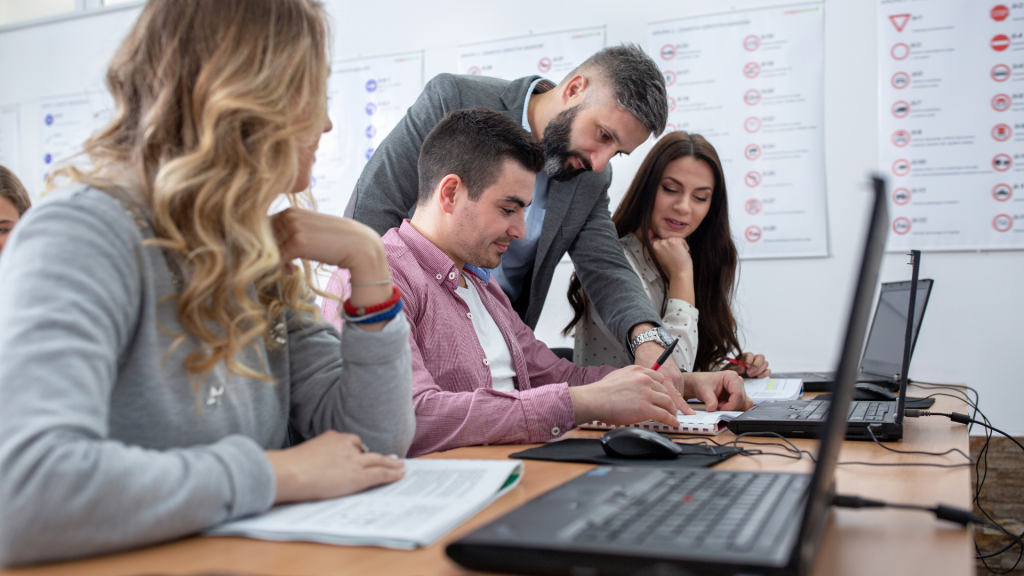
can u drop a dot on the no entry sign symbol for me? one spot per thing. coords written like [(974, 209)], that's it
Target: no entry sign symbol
[(668, 52), (752, 70), (1002, 223), (670, 77), (900, 51), (1002, 162), (752, 152), (901, 167), (999, 13), (1001, 102), (1002, 192), (900, 109), (900, 80), (901, 138), (901, 226), (1000, 42), (1000, 72), (752, 97), (901, 196), (544, 65), (752, 234), (1002, 132), (752, 124), (752, 179), (751, 43), (753, 206), (899, 21)]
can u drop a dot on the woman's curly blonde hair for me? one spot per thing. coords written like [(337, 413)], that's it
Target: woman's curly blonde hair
[(213, 98)]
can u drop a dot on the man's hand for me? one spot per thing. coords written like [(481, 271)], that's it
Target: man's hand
[(627, 396), (717, 390), (647, 354), (757, 366)]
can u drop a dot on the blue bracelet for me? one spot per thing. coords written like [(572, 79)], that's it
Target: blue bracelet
[(381, 317)]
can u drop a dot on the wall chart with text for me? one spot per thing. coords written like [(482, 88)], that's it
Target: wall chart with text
[(551, 55)]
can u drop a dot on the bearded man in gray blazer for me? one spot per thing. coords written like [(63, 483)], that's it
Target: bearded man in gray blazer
[(609, 105)]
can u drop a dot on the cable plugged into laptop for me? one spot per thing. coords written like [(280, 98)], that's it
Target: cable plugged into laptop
[(942, 512)]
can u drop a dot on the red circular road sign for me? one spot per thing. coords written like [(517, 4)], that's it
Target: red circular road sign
[(473, 71), (544, 65), (752, 97), (900, 51), (1002, 192), (752, 152), (999, 13), (670, 77), (901, 226), (1001, 102), (1002, 222), (752, 124), (901, 196), (751, 43), (671, 104), (1000, 42), (1002, 132), (901, 167), (668, 52), (752, 234), (900, 109), (1002, 162), (752, 70), (752, 179), (753, 206), (901, 138), (1000, 72), (900, 80)]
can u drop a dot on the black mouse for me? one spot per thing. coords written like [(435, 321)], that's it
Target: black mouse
[(866, 391), (639, 443)]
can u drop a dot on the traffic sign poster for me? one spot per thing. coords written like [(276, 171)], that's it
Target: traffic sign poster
[(950, 118), (65, 123), (551, 55), (751, 83), (368, 96)]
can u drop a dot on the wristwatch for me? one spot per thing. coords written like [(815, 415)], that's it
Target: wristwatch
[(658, 334)]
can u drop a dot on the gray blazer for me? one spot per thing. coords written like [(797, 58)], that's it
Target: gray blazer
[(577, 218)]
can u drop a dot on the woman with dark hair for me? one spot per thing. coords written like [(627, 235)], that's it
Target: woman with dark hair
[(674, 228)]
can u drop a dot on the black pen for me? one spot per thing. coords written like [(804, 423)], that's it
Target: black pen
[(664, 355)]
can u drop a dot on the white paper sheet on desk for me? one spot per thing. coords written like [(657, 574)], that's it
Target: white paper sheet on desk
[(773, 389), (433, 498)]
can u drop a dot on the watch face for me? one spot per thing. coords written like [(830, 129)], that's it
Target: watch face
[(665, 336)]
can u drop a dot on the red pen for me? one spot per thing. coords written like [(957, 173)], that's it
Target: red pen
[(737, 362), (664, 355)]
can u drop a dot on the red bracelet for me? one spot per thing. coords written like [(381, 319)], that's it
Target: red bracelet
[(351, 310)]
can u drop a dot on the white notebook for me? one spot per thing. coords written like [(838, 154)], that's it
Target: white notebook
[(702, 423), (432, 499), (773, 389)]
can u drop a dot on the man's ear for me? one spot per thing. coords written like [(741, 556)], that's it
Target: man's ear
[(447, 192), (574, 90)]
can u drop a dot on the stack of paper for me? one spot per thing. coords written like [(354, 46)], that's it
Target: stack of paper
[(703, 423), (433, 498), (772, 389)]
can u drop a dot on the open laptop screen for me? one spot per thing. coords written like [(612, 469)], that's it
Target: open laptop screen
[(884, 353)]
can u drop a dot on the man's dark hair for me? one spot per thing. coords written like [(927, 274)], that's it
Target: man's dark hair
[(473, 143), (636, 83)]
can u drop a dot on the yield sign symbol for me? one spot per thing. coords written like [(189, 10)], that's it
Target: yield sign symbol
[(899, 21)]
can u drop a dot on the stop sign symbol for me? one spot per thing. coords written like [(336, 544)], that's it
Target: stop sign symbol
[(999, 13)]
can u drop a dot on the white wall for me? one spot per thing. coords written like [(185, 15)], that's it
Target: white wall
[(791, 310)]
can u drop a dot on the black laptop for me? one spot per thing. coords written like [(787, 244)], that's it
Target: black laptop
[(882, 420), (644, 520), (883, 351)]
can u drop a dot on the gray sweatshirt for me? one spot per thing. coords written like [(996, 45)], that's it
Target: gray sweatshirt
[(103, 443)]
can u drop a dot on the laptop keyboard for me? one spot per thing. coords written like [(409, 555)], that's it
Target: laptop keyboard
[(690, 510), (859, 411)]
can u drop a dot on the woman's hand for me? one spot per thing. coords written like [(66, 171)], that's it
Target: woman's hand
[(673, 254), (756, 366), (717, 390), (329, 466)]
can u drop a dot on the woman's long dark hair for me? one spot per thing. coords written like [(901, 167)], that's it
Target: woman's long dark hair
[(711, 247)]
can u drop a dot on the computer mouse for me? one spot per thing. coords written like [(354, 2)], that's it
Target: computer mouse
[(640, 444), (866, 391)]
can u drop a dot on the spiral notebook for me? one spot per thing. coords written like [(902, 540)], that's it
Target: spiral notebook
[(702, 423)]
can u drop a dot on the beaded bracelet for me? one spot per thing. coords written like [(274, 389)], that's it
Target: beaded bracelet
[(396, 295), (377, 318)]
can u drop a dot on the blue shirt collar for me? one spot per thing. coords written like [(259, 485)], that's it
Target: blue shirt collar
[(526, 104), (482, 273)]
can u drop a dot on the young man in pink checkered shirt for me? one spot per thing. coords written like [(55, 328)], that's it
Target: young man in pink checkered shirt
[(480, 376)]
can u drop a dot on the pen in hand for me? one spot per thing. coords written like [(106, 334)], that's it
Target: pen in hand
[(738, 363), (664, 355)]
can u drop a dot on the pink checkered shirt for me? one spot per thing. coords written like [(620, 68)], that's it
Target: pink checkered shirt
[(451, 381)]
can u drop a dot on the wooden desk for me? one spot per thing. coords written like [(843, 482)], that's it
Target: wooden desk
[(856, 542)]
